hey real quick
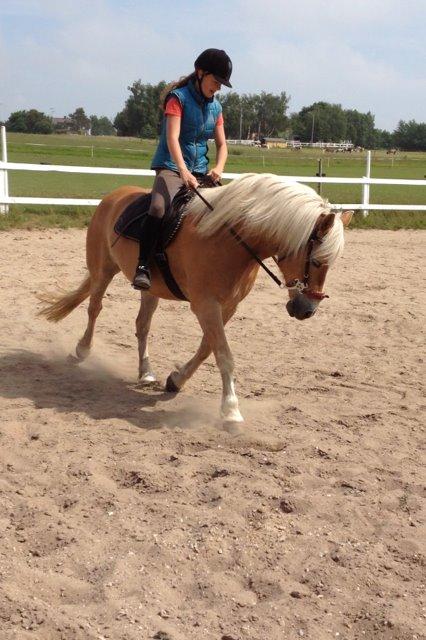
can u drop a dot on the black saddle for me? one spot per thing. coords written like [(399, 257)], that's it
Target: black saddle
[(129, 226)]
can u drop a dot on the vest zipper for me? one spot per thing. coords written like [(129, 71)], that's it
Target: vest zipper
[(198, 138)]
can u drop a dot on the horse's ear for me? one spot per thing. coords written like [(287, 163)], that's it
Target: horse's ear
[(346, 217), (326, 224)]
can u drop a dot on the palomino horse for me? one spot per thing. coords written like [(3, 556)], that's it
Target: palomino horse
[(213, 268)]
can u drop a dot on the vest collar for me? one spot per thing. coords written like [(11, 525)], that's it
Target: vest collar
[(196, 95)]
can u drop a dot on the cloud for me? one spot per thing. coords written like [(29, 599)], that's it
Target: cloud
[(365, 55)]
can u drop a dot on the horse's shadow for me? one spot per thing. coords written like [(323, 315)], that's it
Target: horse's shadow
[(58, 384)]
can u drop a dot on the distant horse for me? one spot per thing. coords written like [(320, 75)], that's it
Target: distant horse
[(215, 271)]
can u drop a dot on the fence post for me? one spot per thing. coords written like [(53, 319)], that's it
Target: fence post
[(320, 174), (4, 181), (366, 187)]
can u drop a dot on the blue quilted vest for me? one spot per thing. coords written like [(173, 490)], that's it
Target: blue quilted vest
[(197, 126)]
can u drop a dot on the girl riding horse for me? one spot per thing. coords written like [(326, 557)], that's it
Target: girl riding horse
[(192, 115)]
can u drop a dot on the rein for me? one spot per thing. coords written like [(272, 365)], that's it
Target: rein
[(254, 255), (301, 287)]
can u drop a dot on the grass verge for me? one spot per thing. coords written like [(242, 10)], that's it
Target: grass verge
[(40, 217)]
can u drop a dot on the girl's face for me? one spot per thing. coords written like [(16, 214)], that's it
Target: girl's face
[(209, 85)]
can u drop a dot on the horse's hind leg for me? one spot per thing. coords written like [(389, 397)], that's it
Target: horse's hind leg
[(98, 286), (143, 323)]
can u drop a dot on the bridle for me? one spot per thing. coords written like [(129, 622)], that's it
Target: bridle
[(301, 286)]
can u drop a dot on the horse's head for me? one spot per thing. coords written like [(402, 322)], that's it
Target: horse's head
[(274, 216), (305, 271)]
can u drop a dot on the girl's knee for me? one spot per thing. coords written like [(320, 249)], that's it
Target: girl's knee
[(156, 210)]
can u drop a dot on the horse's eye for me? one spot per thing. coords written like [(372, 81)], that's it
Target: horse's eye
[(316, 263)]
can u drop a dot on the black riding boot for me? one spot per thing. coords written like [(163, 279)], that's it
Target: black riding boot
[(149, 234)]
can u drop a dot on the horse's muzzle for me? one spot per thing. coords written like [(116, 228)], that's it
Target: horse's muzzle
[(301, 307)]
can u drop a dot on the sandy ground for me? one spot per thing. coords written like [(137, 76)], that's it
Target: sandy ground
[(129, 514)]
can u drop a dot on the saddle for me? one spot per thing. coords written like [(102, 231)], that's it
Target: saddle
[(129, 226)]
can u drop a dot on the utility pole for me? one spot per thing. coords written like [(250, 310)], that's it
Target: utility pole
[(241, 121)]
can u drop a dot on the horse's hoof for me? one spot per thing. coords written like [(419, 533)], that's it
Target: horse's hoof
[(147, 379), (81, 352), (170, 385), (232, 419), (232, 427)]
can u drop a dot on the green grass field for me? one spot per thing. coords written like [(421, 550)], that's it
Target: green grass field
[(136, 153)]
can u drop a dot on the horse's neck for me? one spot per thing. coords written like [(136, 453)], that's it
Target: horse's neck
[(261, 245)]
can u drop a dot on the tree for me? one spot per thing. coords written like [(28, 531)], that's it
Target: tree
[(261, 114), (382, 139), (31, 121), (232, 108), (360, 128), (80, 123), (239, 113), (410, 136), (101, 126), (38, 122), (271, 116), (320, 121), (141, 115), (17, 122)]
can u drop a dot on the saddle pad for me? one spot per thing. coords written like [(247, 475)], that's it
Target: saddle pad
[(130, 222), (129, 225)]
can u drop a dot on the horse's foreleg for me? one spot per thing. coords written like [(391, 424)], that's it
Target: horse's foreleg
[(178, 378), (143, 323), (212, 323), (97, 290)]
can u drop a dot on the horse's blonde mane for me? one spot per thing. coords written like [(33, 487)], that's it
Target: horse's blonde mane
[(284, 212)]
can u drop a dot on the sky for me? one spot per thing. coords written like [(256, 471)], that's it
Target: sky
[(369, 55)]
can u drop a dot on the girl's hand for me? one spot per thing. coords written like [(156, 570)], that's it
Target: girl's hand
[(215, 174), (188, 179)]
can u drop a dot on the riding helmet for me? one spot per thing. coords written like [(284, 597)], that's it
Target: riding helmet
[(218, 63)]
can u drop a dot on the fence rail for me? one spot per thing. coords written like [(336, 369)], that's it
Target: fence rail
[(364, 182)]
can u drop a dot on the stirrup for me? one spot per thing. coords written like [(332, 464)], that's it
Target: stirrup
[(142, 279)]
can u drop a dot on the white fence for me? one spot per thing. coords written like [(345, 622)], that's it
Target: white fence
[(294, 144), (365, 182), (4, 181)]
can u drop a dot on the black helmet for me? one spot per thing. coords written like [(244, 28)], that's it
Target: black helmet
[(216, 62)]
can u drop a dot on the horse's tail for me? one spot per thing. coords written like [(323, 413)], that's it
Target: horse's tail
[(59, 306)]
